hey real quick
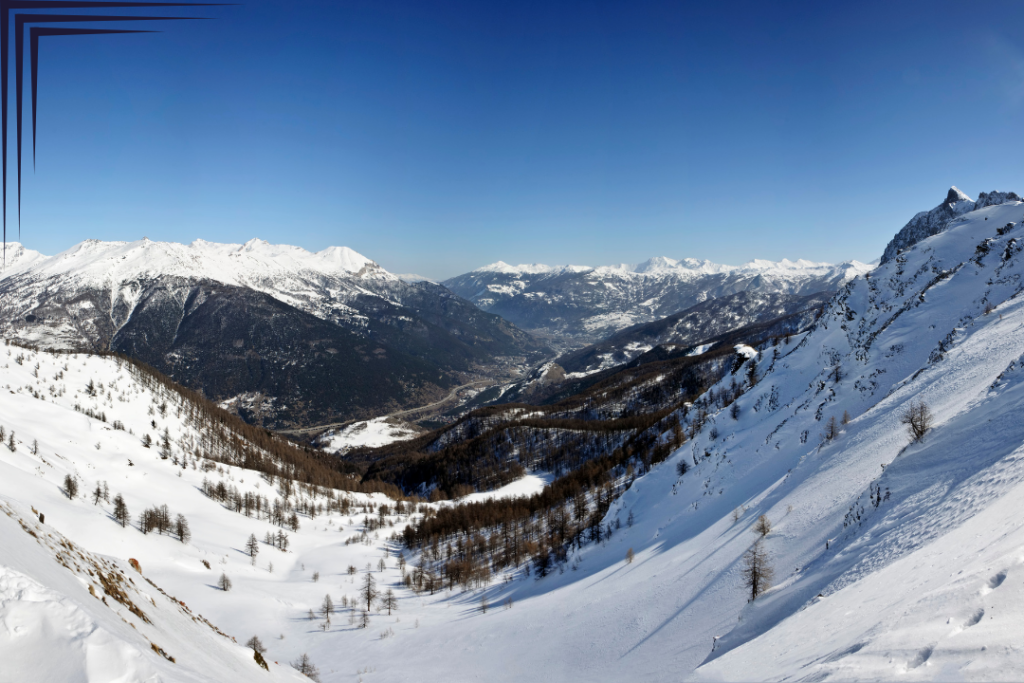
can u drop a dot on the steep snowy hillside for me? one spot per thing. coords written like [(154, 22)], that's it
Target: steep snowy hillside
[(70, 615), (83, 434), (16, 257), (287, 336), (890, 558), (586, 304)]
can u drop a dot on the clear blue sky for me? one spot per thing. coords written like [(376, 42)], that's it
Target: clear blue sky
[(435, 137)]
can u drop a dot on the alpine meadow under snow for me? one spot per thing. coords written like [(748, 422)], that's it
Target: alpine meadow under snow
[(842, 504)]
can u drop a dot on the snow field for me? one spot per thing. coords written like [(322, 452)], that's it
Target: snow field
[(263, 603), (60, 624), (891, 559), (376, 432)]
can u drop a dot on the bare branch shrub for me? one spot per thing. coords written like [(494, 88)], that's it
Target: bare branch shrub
[(918, 419)]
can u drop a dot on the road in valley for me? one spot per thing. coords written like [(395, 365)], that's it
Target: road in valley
[(453, 394)]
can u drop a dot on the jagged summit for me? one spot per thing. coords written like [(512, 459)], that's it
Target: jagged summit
[(955, 195), (928, 223), (16, 256)]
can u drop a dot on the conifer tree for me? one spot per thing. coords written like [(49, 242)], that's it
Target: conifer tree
[(121, 511), (305, 667), (390, 601), (917, 417), (763, 526), (70, 483), (181, 529), (757, 571), (369, 590), (256, 644), (165, 445), (252, 546), (327, 606)]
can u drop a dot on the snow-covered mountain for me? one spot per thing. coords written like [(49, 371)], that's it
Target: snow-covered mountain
[(928, 223), (288, 336), (892, 557), (586, 304)]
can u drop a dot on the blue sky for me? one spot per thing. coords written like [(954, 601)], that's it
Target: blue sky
[(437, 137)]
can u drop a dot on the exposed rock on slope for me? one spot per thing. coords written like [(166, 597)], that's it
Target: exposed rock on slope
[(928, 223), (71, 615)]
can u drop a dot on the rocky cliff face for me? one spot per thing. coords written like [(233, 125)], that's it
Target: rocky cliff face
[(928, 223)]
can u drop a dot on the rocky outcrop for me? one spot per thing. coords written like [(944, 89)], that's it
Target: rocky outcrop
[(928, 223)]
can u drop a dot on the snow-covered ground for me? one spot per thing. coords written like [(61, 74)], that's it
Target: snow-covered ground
[(525, 486), (891, 559), (700, 350), (379, 431)]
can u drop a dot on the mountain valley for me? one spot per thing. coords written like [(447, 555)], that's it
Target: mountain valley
[(593, 516)]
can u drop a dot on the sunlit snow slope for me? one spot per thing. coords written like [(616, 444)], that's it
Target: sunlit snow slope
[(923, 573), (892, 559)]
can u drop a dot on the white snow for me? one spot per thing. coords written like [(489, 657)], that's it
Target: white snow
[(701, 349), (412, 278), (660, 265), (921, 578), (525, 486), (530, 268), (372, 433), (238, 264), (746, 350), (17, 258)]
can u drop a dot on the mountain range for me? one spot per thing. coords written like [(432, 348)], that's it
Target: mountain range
[(283, 335), (869, 468), (582, 305)]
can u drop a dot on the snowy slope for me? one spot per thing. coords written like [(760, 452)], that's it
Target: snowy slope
[(903, 584), (928, 223), (16, 257), (376, 432), (53, 439), (70, 615), (920, 579), (587, 304)]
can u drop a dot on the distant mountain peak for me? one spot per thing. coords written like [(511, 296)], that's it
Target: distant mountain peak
[(228, 263), (521, 269), (589, 303), (658, 263)]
